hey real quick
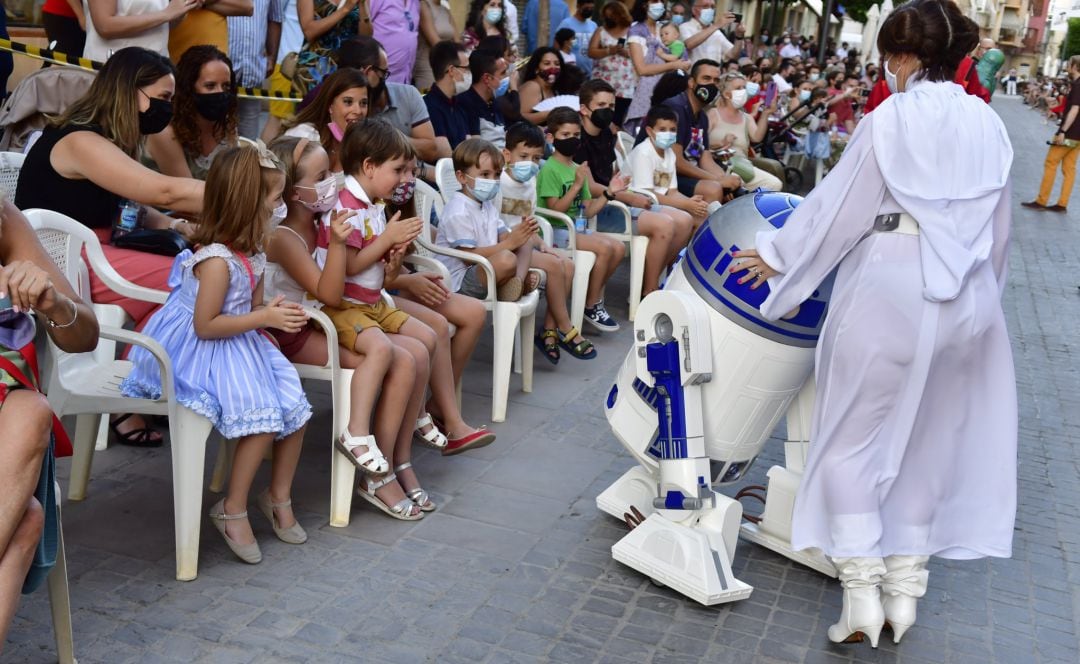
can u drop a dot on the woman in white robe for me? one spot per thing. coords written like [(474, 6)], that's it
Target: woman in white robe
[(913, 443)]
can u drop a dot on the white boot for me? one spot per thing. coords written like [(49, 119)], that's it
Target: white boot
[(862, 614), (903, 583)]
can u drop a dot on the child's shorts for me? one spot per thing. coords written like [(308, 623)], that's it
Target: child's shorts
[(353, 318), (612, 220), (472, 285)]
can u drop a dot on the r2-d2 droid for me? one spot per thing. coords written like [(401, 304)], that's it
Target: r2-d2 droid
[(702, 389)]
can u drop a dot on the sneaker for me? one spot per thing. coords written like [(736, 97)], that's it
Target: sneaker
[(1057, 208), (1033, 204), (598, 317)]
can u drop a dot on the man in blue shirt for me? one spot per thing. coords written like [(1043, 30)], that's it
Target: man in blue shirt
[(583, 26), (450, 66), (478, 102), (530, 25)]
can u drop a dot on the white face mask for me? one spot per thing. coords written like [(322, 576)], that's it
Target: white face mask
[(464, 84), (278, 215), (738, 98), (890, 79)]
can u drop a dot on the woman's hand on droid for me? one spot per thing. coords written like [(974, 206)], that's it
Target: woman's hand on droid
[(758, 271)]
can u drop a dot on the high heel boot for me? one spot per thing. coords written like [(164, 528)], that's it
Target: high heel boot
[(862, 613), (903, 583)]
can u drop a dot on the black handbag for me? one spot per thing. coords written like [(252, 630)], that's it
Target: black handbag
[(163, 241)]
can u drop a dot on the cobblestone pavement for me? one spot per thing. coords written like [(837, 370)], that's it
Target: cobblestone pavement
[(515, 565)]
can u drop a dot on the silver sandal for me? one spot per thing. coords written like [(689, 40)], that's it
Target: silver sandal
[(402, 510), (417, 495)]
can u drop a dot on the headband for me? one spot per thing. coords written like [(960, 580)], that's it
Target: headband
[(298, 151)]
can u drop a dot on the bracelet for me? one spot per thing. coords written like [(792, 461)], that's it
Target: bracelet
[(607, 195), (174, 222), (74, 317)]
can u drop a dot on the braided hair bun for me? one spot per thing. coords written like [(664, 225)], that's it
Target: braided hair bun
[(934, 31)]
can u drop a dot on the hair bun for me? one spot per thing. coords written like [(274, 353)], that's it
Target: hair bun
[(935, 31)]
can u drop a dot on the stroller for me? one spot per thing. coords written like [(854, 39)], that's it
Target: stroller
[(43, 93)]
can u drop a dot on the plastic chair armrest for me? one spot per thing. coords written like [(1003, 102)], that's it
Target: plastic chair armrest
[(333, 357), (562, 219), (116, 283), (468, 257), (153, 347), (428, 264)]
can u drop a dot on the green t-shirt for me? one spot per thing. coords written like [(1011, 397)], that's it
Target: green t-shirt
[(555, 179)]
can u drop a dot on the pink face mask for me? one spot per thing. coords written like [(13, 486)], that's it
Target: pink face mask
[(551, 74), (336, 132), (325, 194)]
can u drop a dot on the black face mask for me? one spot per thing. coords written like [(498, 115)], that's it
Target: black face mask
[(154, 119), (603, 117), (213, 106), (567, 147), (706, 94), (586, 13)]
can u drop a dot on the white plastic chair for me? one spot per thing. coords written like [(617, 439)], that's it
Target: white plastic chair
[(637, 244), (508, 318), (59, 597), (583, 261), (87, 386), (10, 165)]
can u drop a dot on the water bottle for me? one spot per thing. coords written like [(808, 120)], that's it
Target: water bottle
[(580, 223), (127, 220)]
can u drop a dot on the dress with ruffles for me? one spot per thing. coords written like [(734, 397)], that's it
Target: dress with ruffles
[(242, 384)]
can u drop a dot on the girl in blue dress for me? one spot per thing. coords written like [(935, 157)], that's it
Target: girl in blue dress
[(226, 368)]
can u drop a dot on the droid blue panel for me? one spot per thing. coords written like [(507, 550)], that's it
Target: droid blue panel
[(730, 228)]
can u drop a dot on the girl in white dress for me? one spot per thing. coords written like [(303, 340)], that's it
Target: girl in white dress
[(913, 443)]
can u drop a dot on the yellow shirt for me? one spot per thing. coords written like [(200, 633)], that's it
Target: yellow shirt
[(200, 26)]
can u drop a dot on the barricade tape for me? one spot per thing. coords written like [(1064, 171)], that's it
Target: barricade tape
[(56, 57)]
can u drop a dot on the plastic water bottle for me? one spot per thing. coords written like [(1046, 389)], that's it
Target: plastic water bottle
[(127, 220), (580, 224)]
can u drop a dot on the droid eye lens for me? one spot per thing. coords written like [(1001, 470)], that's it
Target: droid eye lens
[(664, 328)]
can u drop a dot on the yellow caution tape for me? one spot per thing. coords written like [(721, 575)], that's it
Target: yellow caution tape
[(59, 58)]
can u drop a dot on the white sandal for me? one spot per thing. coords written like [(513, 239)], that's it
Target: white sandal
[(433, 438), (417, 495), (402, 510), (372, 462)]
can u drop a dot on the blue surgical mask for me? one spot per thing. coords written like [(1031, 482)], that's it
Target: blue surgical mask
[(677, 19), (664, 139), (656, 10), (804, 95), (493, 15), (523, 171), (752, 88), (503, 87), (484, 189), (707, 16)]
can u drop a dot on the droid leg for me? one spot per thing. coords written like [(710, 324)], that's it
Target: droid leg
[(773, 531)]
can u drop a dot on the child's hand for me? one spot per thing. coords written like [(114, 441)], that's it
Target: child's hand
[(285, 316), (698, 207), (618, 184), (523, 232), (581, 174), (403, 231), (340, 228), (428, 288)]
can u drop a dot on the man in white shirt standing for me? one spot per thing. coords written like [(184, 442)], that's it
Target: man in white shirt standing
[(842, 51), (702, 34), (780, 78), (790, 49)]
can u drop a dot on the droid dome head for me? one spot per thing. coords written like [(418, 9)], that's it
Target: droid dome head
[(709, 258)]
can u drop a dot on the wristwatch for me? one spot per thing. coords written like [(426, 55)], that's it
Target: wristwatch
[(607, 195)]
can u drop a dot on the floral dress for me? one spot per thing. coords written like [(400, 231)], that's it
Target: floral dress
[(616, 70), (242, 384), (316, 60)]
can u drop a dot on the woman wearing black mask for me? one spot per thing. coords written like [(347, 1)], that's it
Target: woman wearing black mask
[(204, 121), (85, 164)]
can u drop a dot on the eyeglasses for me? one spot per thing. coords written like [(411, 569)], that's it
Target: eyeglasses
[(380, 72)]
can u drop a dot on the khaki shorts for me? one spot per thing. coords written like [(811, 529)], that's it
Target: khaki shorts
[(352, 319)]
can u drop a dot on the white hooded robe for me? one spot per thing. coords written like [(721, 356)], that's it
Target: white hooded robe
[(913, 442)]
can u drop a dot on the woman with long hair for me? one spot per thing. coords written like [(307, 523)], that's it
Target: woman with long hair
[(85, 164), (342, 100), (611, 57), (485, 17), (644, 40), (540, 79), (914, 430), (204, 116)]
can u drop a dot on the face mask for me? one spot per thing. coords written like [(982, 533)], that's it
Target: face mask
[(706, 94), (587, 13), (464, 84), (325, 195), (551, 74), (213, 106), (335, 131), (484, 189), (154, 119), (493, 15), (890, 79), (678, 19), (504, 85), (403, 192), (738, 98), (752, 89), (804, 96), (656, 11), (664, 139), (278, 214), (814, 77), (787, 41), (566, 146), (523, 171), (707, 16), (603, 117)]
